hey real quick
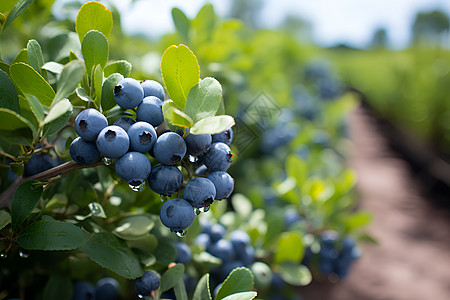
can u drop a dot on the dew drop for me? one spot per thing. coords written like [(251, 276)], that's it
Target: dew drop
[(181, 233), (3, 255), (192, 158), (137, 188), (140, 296), (107, 161), (204, 209), (24, 254), (162, 197), (197, 211)]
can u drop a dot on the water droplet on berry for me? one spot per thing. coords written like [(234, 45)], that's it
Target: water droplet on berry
[(204, 208), (3, 255), (140, 296), (24, 254), (197, 211), (181, 233), (137, 188), (162, 197), (107, 161), (192, 158)]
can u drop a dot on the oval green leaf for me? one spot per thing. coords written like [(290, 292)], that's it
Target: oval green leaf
[(98, 81), (107, 100), (239, 280), (57, 117), (242, 296), (202, 290), (182, 23), (204, 99), (17, 10), (134, 227), (25, 199), (35, 57), (22, 56), (93, 16), (290, 248), (171, 277), (53, 67), (15, 129), (71, 75), (5, 219), (120, 66), (95, 50), (8, 95), (213, 125), (295, 274), (174, 116)]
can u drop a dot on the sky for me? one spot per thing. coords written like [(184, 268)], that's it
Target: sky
[(333, 21)]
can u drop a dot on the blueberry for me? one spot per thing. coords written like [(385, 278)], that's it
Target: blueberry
[(217, 232), (165, 180), (218, 157), (223, 182), (153, 88), (291, 217), (197, 143), (124, 122), (169, 148), (142, 136), (184, 253), (128, 93), (39, 162), (247, 256), (222, 249), (83, 290), (203, 240), (189, 283), (177, 214), (216, 289), (148, 282), (239, 239), (89, 123), (277, 281), (150, 111), (113, 141), (229, 266), (107, 288), (83, 152), (133, 167), (224, 137), (200, 192)]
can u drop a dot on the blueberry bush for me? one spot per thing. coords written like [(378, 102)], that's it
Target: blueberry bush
[(120, 181)]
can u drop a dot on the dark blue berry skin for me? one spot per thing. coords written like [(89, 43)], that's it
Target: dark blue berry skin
[(83, 152), (218, 157), (247, 256), (177, 214), (107, 288), (197, 144), (124, 122), (277, 137), (89, 123), (83, 290), (142, 137), (113, 141), (148, 282), (223, 182), (229, 266), (150, 111), (189, 282), (153, 88), (203, 240), (223, 137), (222, 249), (133, 167), (128, 93), (291, 217), (239, 239), (169, 148), (184, 253), (277, 281), (217, 232), (200, 192), (39, 162), (165, 180)]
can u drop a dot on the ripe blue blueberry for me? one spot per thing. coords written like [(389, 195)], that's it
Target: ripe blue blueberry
[(200, 192), (203, 240), (223, 182), (177, 214), (169, 148), (239, 239), (107, 288), (229, 266), (184, 253), (222, 249), (224, 137), (150, 111), (113, 142), (197, 143), (83, 290), (291, 217), (142, 136), (124, 122), (153, 88), (83, 152), (247, 256), (39, 162), (217, 232), (89, 123), (218, 157), (165, 180), (128, 93), (133, 167), (148, 282)]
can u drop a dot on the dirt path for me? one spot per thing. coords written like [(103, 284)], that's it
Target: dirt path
[(412, 261)]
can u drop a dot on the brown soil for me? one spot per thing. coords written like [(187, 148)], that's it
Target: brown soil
[(412, 260)]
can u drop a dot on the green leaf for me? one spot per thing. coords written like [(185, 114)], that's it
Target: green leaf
[(109, 252), (297, 169), (4, 66), (17, 10), (171, 276), (58, 287), (31, 82), (57, 117), (25, 199), (134, 227), (148, 242), (202, 290), (290, 247), (22, 56), (242, 205), (107, 99), (180, 290), (93, 16), (182, 23), (98, 81), (119, 66), (27, 113), (35, 57), (175, 116), (239, 280), (82, 94), (8, 95), (242, 296), (95, 50), (51, 235), (5, 219), (357, 220), (180, 72), (166, 252), (295, 274), (71, 75), (213, 125), (15, 129), (2, 20), (204, 99), (53, 67)]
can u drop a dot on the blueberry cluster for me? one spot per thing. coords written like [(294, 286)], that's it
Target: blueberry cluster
[(129, 141), (106, 288)]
